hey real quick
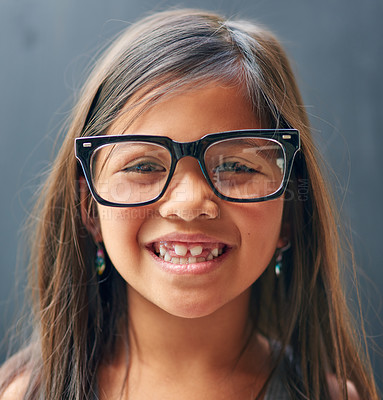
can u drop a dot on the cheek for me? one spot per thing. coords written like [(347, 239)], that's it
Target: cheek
[(259, 227), (119, 230), (263, 222)]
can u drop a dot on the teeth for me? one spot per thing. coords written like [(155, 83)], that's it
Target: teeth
[(196, 250), (162, 250), (180, 250)]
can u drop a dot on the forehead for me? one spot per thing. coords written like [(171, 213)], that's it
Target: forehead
[(189, 113)]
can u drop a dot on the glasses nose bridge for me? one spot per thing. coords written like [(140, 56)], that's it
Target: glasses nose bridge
[(185, 149), (188, 149)]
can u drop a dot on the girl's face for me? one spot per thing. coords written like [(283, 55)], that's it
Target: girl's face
[(190, 225)]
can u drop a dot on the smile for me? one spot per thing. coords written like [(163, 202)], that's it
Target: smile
[(187, 253)]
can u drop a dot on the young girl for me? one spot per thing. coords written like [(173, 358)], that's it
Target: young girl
[(190, 251)]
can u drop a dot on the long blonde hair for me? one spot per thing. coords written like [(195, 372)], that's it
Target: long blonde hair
[(76, 314)]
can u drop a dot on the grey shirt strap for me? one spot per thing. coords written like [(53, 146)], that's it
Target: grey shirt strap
[(276, 389)]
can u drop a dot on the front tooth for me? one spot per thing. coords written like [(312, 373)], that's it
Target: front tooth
[(175, 260), (183, 260), (209, 257), (167, 256), (192, 260), (163, 250), (201, 259), (196, 250), (215, 252), (180, 249)]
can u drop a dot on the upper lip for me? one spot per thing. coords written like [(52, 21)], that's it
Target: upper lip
[(187, 238)]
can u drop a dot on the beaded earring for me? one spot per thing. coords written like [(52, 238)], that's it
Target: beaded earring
[(100, 260), (278, 264), (279, 259)]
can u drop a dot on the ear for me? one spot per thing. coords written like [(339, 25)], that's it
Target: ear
[(90, 222), (284, 236)]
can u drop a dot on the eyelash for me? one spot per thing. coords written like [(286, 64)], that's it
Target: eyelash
[(235, 164), (139, 168)]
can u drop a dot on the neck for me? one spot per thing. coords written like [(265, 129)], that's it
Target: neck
[(214, 341), (216, 356)]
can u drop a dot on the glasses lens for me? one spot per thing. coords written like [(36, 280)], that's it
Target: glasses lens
[(130, 172), (246, 168)]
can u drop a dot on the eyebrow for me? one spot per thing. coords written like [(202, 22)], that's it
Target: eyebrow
[(252, 143), (269, 148)]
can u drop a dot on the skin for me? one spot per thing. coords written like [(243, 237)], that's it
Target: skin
[(189, 206), (186, 334), (188, 313)]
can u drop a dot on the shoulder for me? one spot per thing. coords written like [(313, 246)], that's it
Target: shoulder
[(16, 373), (335, 391), (16, 389)]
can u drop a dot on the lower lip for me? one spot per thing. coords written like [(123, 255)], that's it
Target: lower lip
[(200, 268)]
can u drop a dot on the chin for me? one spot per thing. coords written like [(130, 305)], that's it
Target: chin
[(192, 309)]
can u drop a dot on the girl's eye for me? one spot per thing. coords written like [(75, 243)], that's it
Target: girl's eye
[(144, 168), (234, 166)]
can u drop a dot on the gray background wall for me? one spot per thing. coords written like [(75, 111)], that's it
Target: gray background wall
[(336, 46)]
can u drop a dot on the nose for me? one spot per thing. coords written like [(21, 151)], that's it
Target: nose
[(189, 196)]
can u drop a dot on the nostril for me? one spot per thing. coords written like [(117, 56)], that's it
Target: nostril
[(187, 213), (206, 216), (190, 214)]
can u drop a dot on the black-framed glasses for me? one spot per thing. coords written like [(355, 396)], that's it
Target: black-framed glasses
[(240, 166)]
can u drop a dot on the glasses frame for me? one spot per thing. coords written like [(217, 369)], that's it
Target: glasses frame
[(288, 138)]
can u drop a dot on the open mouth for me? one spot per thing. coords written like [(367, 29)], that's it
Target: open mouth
[(187, 253)]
